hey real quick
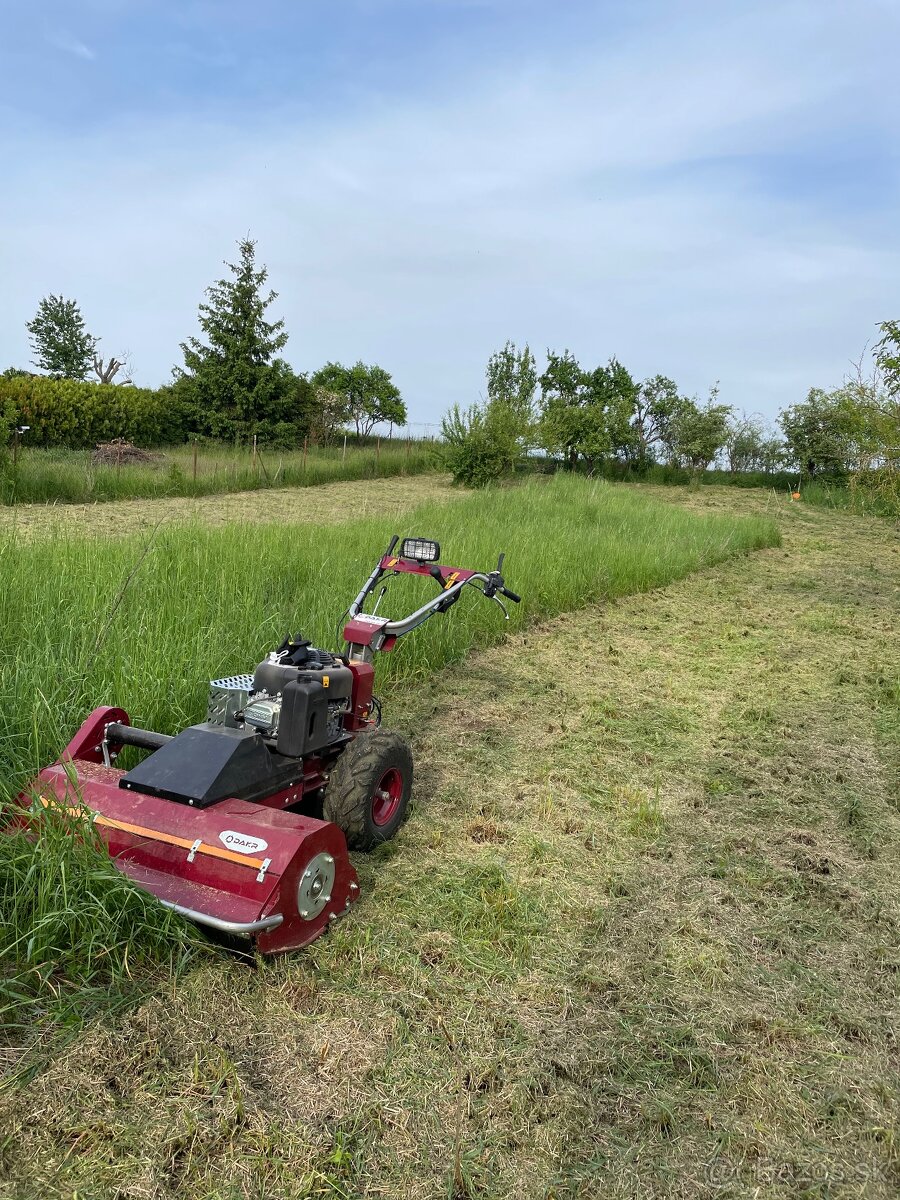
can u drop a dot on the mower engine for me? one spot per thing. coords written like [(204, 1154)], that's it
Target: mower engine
[(297, 699)]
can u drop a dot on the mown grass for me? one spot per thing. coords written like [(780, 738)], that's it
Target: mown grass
[(327, 504), (68, 477), (145, 622)]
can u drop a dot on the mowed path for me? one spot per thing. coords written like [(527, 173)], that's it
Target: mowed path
[(325, 504), (638, 939)]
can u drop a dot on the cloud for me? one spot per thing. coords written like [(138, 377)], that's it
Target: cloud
[(620, 201), (71, 45)]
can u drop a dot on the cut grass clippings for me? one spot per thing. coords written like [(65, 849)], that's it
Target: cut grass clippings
[(327, 504)]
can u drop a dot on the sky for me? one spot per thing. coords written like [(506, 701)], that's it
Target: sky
[(705, 189)]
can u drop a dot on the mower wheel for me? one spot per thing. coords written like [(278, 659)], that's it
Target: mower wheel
[(368, 793)]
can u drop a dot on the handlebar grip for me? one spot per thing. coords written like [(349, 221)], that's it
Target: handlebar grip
[(394, 540), (504, 591)]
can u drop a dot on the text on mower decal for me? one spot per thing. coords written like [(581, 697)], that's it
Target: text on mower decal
[(243, 843)]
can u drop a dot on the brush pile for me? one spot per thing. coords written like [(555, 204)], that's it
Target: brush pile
[(120, 452)]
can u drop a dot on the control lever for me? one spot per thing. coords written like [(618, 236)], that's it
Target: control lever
[(497, 600)]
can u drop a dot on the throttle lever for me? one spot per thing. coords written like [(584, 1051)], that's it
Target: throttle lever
[(497, 600)]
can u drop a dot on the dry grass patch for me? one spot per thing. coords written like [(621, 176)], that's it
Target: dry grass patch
[(326, 504)]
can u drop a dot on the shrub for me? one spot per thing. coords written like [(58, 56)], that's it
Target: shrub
[(482, 444), (876, 491), (64, 412)]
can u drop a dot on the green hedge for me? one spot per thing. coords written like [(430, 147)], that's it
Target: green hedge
[(63, 412)]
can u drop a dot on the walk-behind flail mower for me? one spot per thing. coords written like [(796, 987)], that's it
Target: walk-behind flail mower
[(242, 823)]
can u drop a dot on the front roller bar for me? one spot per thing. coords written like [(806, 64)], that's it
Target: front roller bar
[(246, 928)]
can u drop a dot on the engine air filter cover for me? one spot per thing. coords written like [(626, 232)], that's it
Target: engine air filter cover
[(228, 696)]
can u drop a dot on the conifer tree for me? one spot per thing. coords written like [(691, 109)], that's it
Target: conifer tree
[(234, 376)]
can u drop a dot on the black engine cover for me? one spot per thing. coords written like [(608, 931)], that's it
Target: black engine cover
[(208, 763)]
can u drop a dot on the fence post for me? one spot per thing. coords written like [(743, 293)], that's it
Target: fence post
[(344, 455), (253, 454), (377, 453), (305, 441), (195, 460)]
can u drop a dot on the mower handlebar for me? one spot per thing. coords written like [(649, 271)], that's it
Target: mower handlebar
[(440, 603), (492, 583)]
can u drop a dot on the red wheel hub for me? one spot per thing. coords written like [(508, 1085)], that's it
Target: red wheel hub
[(387, 796)]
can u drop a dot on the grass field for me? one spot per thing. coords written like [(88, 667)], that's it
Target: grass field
[(639, 937), (146, 620), (327, 504), (67, 476)]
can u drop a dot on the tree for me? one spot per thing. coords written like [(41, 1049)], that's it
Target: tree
[(512, 379), (751, 446), (106, 371), (655, 404), (609, 406), (330, 413), (370, 395), (585, 414), (562, 399), (887, 354), (823, 430), (61, 344), (697, 433), (234, 377)]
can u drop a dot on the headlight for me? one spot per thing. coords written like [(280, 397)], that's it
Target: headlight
[(421, 549)]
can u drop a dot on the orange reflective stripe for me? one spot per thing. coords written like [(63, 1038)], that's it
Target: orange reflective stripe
[(172, 839), (156, 835)]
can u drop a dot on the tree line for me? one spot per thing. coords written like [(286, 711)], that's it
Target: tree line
[(590, 418), (232, 383)]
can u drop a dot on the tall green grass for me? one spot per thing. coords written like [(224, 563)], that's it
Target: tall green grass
[(73, 930), (873, 493), (146, 624), (878, 498), (68, 477)]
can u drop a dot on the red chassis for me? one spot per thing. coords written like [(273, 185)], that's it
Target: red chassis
[(234, 867)]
